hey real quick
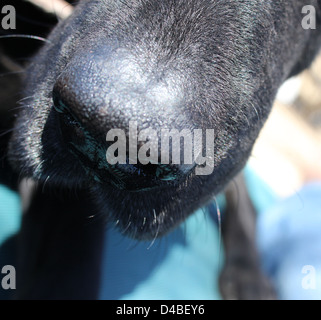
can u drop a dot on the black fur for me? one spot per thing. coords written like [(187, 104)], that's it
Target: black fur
[(224, 60), (220, 62)]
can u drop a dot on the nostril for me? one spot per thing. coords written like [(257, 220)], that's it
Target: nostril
[(150, 172), (58, 102), (167, 173), (62, 108)]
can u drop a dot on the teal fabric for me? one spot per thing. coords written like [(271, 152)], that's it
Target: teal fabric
[(9, 213), (289, 239), (10, 216), (183, 265), (262, 195)]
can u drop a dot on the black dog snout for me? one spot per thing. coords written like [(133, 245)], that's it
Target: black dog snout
[(98, 93)]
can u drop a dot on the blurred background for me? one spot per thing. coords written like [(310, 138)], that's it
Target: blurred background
[(288, 151)]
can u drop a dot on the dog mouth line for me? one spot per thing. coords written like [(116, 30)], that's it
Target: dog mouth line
[(112, 175)]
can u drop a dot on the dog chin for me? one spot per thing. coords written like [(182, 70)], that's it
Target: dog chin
[(142, 215)]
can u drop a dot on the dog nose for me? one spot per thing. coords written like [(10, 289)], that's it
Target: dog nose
[(101, 158), (93, 97)]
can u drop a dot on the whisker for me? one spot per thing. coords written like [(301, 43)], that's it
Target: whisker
[(17, 108), (25, 98), (157, 231), (44, 184), (27, 36), (219, 219), (2, 134), (11, 73), (256, 111), (128, 225), (155, 237)]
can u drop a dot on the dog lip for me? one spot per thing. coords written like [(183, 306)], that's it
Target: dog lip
[(135, 182)]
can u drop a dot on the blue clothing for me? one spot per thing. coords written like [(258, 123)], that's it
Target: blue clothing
[(186, 263), (289, 239), (183, 265)]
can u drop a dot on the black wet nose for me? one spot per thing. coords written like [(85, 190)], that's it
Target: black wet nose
[(102, 92), (92, 152)]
